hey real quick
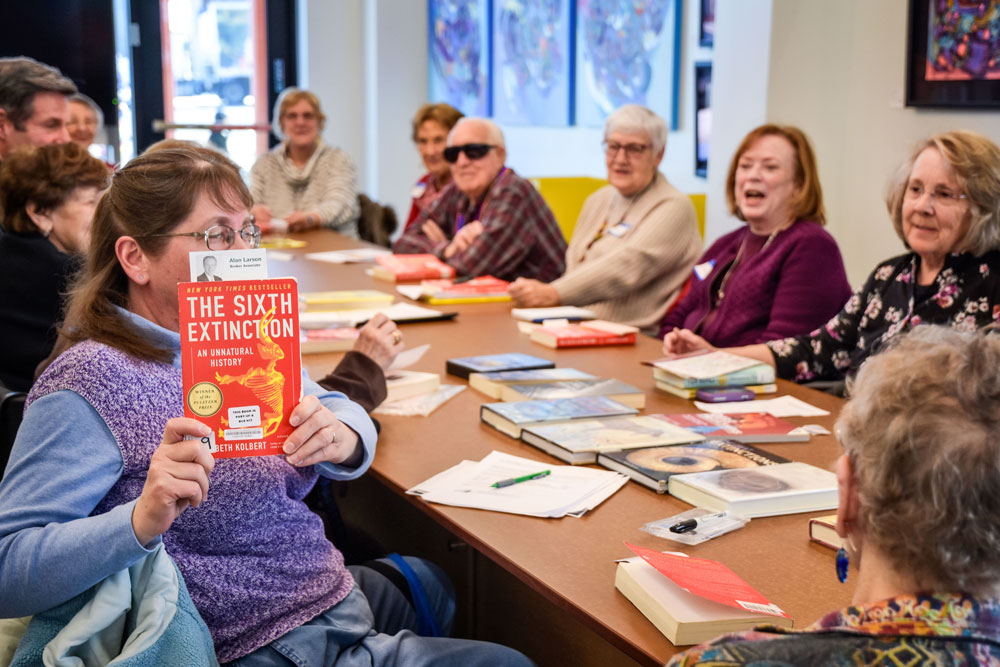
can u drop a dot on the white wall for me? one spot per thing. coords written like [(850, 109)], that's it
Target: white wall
[(835, 69)]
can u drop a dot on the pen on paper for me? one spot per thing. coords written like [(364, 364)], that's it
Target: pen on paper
[(691, 524), (517, 480)]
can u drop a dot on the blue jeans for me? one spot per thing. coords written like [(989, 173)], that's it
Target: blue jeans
[(375, 625)]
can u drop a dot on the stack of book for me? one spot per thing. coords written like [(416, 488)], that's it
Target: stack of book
[(583, 441), (397, 268), (402, 384), (683, 376), (484, 289), (492, 383), (343, 300), (588, 334)]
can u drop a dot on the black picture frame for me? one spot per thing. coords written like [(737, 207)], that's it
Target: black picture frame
[(933, 86), (702, 116), (706, 26)]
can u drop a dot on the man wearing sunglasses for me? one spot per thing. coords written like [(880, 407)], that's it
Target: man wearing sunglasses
[(489, 221)]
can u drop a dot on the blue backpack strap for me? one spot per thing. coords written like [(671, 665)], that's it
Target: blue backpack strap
[(427, 624)]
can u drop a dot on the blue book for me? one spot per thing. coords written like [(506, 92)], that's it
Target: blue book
[(510, 418), (512, 361)]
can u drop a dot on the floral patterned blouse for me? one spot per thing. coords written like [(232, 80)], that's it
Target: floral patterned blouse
[(965, 295), (923, 629)]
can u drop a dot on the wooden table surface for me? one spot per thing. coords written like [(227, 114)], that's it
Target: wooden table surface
[(570, 561)]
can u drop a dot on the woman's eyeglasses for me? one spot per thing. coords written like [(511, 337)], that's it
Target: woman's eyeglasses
[(941, 196), (611, 149), (221, 237), (472, 151)]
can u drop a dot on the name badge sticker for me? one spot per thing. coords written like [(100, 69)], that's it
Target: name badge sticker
[(620, 229), (702, 270), (418, 190)]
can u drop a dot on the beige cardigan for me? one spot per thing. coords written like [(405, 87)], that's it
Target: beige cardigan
[(635, 269)]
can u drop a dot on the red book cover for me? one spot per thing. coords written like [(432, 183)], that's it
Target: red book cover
[(240, 358), (576, 335), (480, 285), (742, 427), (411, 267)]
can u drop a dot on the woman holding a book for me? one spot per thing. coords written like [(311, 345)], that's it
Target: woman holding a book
[(945, 206), (919, 514), (105, 469), (779, 275)]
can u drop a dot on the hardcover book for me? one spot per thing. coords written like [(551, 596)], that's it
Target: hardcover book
[(510, 418), (786, 488), (396, 268), (513, 361), (477, 290), (580, 441), (693, 600), (240, 362), (823, 530), (654, 467), (689, 393), (740, 426), (492, 383), (589, 334), (404, 384), (344, 300), (613, 389)]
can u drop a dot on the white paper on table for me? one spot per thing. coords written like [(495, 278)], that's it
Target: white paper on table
[(419, 406), (411, 291), (782, 406), (348, 256), (407, 358), (566, 488), (443, 479)]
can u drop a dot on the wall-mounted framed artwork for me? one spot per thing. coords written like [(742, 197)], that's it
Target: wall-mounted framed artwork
[(459, 47), (702, 116), (627, 51), (706, 26), (532, 72), (953, 53)]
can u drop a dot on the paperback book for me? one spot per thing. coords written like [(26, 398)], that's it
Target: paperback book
[(396, 268), (483, 289), (492, 383), (579, 442), (613, 389), (712, 369), (513, 361), (510, 418), (690, 393), (589, 334), (404, 384), (240, 362), (739, 426), (786, 488), (654, 467)]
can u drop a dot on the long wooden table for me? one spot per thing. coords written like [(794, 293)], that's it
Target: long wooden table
[(548, 587)]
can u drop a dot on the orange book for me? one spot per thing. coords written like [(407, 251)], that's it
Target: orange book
[(475, 286), (398, 268), (592, 333), (240, 361)]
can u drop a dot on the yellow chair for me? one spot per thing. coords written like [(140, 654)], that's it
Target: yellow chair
[(565, 196)]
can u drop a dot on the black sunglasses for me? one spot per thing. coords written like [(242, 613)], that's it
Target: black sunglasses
[(472, 151)]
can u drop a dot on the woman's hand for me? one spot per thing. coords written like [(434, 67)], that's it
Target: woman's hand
[(177, 478), (682, 341), (380, 339), (299, 221), (319, 436), (531, 293)]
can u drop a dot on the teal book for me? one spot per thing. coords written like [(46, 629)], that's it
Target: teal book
[(510, 418)]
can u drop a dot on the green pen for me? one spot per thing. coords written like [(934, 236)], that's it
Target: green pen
[(517, 480)]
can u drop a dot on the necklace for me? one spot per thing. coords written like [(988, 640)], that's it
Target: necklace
[(721, 292)]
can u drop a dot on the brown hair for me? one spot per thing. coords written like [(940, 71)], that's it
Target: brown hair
[(20, 79), (45, 176), (976, 161), (807, 204), (288, 98), (922, 431), (152, 194), (443, 114)]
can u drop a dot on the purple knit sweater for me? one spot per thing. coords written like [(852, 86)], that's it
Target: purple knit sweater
[(791, 287), (253, 556)]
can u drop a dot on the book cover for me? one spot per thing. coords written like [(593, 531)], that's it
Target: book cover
[(653, 467), (592, 333), (706, 365), (395, 268), (754, 375), (784, 488), (613, 389), (823, 530), (323, 341), (580, 441), (512, 417), (344, 300), (689, 393), (692, 600), (739, 426), (492, 383), (240, 361), (512, 361)]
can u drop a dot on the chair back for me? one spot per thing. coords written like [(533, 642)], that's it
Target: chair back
[(11, 411), (377, 222)]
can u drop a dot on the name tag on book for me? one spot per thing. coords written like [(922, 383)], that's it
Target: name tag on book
[(218, 265)]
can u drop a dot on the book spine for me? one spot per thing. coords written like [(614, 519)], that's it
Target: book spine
[(452, 368), (594, 341)]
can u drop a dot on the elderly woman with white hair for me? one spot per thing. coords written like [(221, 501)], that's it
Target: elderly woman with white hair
[(635, 240), (919, 513)]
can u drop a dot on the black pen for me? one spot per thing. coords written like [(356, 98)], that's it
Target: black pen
[(691, 524)]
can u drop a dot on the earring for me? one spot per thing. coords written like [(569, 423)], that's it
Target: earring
[(141, 277), (842, 563)]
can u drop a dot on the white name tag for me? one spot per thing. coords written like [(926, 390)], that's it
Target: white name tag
[(704, 269), (418, 190), (620, 229)]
